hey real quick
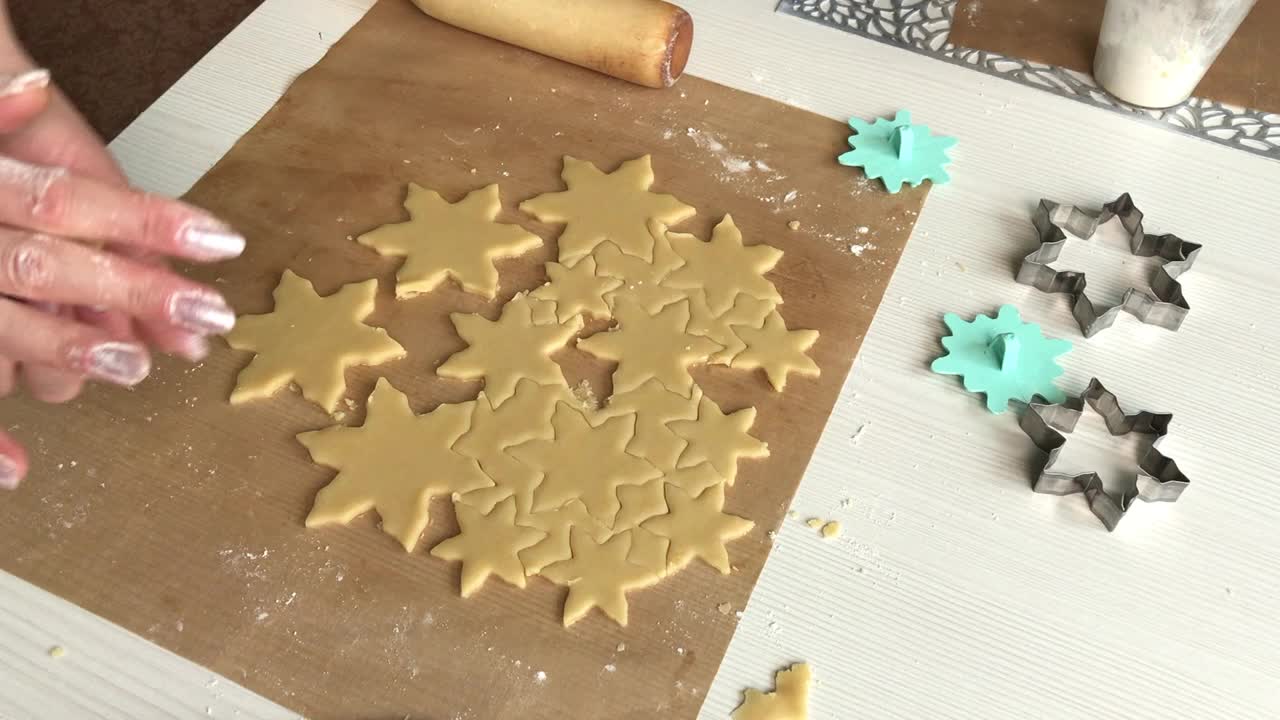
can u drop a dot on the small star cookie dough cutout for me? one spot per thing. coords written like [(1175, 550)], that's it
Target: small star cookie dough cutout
[(654, 406), (393, 464), (557, 524), (698, 528), (599, 575), (649, 551), (310, 340), (724, 267), (789, 701), (719, 439), (615, 206), (746, 310), (651, 347), (584, 462), (776, 350), (577, 290), (459, 241), (488, 544), (508, 349), (641, 279)]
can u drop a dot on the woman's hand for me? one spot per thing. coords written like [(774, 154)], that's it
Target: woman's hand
[(84, 290)]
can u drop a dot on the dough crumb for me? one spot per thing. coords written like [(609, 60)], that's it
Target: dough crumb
[(540, 677), (794, 224), (57, 651), (610, 668), (814, 523), (724, 608), (622, 647), (831, 530)]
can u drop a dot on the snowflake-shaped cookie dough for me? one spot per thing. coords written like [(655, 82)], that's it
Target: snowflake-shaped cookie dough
[(719, 439), (505, 350), (1003, 357), (459, 241), (776, 350), (641, 280), (897, 152), (599, 206), (393, 464), (698, 528), (488, 544), (310, 340), (577, 290), (599, 575), (651, 347), (723, 267)]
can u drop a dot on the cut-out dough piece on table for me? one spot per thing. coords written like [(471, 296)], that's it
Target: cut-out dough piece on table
[(600, 206), (746, 310), (584, 462), (694, 478), (719, 439), (776, 350), (393, 464), (578, 290), (639, 503), (641, 279), (723, 267), (488, 544), (505, 350), (651, 347), (599, 575), (649, 551), (698, 528), (442, 240), (654, 406), (789, 701), (557, 524), (543, 312), (524, 417), (310, 340)]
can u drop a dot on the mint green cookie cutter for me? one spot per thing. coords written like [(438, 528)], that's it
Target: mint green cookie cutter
[(1002, 357), (896, 152)]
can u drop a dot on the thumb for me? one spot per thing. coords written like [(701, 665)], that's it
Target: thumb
[(13, 462), (23, 96)]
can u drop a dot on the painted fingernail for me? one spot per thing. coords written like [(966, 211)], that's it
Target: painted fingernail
[(194, 348), (118, 362), (211, 241), (201, 311), (22, 82), (9, 475)]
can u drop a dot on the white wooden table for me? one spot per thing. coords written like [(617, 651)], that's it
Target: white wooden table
[(956, 592)]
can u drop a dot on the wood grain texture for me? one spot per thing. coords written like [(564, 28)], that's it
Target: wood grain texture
[(200, 517), (955, 592)]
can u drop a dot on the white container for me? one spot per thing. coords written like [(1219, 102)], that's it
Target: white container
[(1153, 52)]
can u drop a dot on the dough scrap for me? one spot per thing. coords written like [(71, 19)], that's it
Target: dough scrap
[(654, 406), (310, 340), (649, 551), (695, 478), (790, 700), (776, 350), (584, 461), (719, 439), (615, 206), (393, 464), (508, 349), (577, 290), (557, 524), (488, 544), (639, 503), (599, 575), (641, 279), (723, 267), (698, 528), (651, 346), (746, 310), (459, 241)]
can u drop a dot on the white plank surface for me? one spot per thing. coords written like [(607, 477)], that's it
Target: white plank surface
[(956, 592)]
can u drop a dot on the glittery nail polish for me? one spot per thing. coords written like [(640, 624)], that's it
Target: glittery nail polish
[(9, 476), (211, 242), (118, 362), (22, 82), (201, 311)]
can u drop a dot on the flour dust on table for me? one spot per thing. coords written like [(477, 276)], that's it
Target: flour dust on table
[(603, 499)]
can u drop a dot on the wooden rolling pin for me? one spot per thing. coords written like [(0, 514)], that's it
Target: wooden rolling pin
[(644, 41)]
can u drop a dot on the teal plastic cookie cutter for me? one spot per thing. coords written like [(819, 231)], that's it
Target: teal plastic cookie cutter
[(1002, 357), (896, 152)]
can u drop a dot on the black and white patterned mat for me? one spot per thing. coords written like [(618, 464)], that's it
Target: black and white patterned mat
[(923, 26)]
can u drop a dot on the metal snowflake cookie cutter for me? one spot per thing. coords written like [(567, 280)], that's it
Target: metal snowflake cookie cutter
[(896, 152), (1163, 305), (1158, 479)]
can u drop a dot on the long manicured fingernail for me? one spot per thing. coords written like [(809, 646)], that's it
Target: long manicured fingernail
[(9, 475), (194, 348), (22, 82), (201, 311), (118, 362), (211, 241)]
